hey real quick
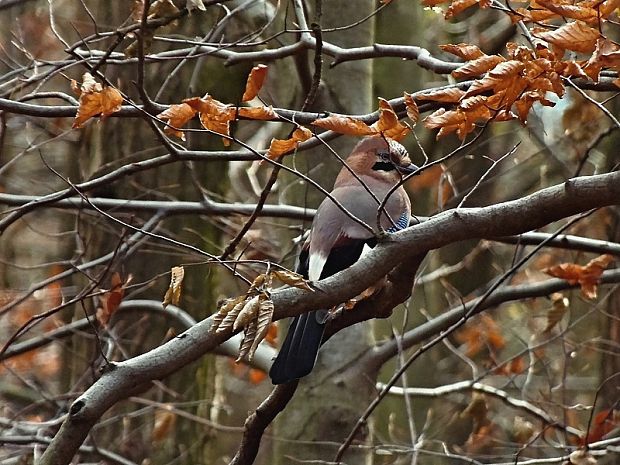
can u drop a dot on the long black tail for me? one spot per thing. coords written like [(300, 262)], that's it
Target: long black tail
[(301, 346)]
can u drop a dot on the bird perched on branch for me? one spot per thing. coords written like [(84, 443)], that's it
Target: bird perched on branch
[(337, 240)]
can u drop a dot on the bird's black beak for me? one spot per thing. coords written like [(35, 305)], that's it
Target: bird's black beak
[(407, 169)]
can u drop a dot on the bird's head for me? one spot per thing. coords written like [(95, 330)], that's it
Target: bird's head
[(380, 158)]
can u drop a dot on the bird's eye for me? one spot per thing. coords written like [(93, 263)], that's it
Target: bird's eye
[(385, 156)]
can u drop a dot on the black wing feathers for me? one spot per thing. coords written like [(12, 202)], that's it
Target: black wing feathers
[(305, 333)]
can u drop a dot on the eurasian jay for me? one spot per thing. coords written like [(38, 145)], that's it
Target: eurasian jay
[(336, 241)]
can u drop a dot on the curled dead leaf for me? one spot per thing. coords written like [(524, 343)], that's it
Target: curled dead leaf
[(413, 112), (292, 279), (465, 51), (450, 95), (164, 423), (177, 116), (247, 313), (576, 36), (344, 125), (477, 66), (214, 115), (279, 147), (558, 310), (255, 82), (258, 113), (231, 316), (263, 322), (173, 294), (95, 100), (249, 335)]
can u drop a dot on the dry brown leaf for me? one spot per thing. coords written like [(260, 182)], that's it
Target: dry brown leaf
[(606, 55), (258, 113), (214, 115), (279, 147), (575, 36), (603, 423), (96, 100), (479, 333), (255, 82), (450, 95), (163, 426), (176, 116), (247, 313), (465, 51), (608, 7), (413, 112), (558, 310), (162, 9), (225, 307), (535, 15), (587, 276), (292, 279), (111, 300), (265, 315), (569, 11), (231, 316), (477, 66), (344, 125), (388, 123), (458, 6), (173, 294), (433, 2), (249, 335), (137, 9)]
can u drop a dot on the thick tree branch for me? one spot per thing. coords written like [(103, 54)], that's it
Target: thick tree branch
[(508, 218)]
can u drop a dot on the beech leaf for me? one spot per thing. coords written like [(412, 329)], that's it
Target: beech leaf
[(575, 36), (177, 116), (255, 82), (247, 313), (465, 51), (344, 125), (279, 147), (413, 112), (96, 100), (173, 294), (587, 276), (292, 279)]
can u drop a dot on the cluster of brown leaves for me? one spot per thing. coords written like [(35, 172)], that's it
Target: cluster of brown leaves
[(253, 311), (387, 125), (216, 116), (544, 11), (527, 76), (587, 276), (514, 83), (95, 99)]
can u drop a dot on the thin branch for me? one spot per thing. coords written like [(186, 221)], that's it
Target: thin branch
[(460, 386)]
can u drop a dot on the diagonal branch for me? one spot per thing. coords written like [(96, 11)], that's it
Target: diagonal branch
[(513, 217)]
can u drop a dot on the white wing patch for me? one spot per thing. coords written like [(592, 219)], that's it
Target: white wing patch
[(315, 267)]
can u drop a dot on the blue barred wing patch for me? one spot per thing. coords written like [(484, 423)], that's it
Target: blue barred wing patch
[(402, 223)]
